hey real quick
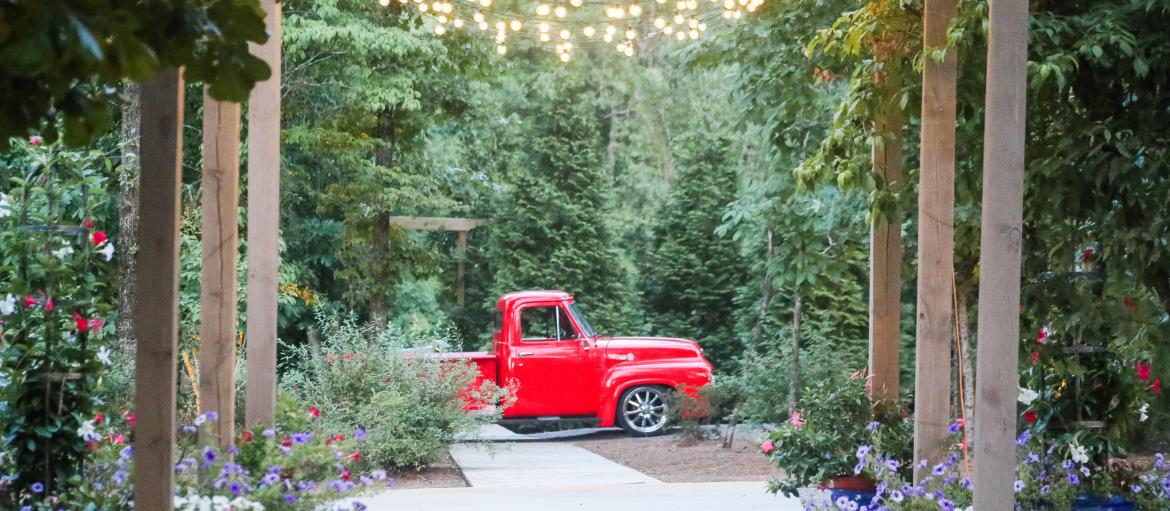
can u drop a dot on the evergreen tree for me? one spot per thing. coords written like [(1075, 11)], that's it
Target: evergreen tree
[(691, 278), (550, 232)]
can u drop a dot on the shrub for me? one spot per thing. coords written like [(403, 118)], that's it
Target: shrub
[(410, 402), (694, 409)]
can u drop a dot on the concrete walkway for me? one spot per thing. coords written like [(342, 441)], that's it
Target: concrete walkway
[(539, 464), (735, 496)]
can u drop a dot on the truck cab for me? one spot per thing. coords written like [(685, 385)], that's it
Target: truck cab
[(562, 369)]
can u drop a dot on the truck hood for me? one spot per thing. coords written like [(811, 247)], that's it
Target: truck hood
[(651, 348)]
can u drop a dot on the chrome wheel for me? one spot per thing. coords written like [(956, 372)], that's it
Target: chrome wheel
[(644, 410)]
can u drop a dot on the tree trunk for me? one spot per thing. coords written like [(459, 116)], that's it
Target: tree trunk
[(968, 368), (766, 300), (128, 174), (794, 375), (384, 157)]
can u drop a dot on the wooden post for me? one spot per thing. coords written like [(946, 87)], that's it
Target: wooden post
[(217, 327), (157, 322), (263, 227), (997, 373), (936, 243), (461, 254), (885, 270)]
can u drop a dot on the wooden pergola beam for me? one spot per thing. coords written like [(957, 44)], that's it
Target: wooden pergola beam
[(936, 243), (426, 223), (263, 228), (157, 314), (217, 313), (997, 371)]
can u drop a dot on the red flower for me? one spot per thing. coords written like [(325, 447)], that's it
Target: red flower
[(1042, 335), (99, 418), (345, 475), (118, 439), (356, 456), (1035, 356), (82, 323), (1143, 371), (49, 305), (29, 302), (314, 412), (286, 442), (1030, 416), (1087, 254), (246, 436), (339, 438), (99, 237), (130, 417), (1157, 386), (88, 223)]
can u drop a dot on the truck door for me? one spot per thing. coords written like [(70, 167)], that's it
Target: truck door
[(553, 365)]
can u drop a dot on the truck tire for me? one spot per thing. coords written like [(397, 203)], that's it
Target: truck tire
[(642, 410)]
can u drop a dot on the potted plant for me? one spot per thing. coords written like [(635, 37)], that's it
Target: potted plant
[(833, 427)]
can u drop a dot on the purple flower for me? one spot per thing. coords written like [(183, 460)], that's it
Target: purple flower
[(290, 498), (873, 425), (940, 469), (236, 488), (954, 428), (1085, 471), (966, 483), (378, 475), (360, 435), (1032, 458), (270, 479), (893, 464), (946, 505), (209, 456), (1044, 490), (896, 496), (1073, 479), (358, 506), (268, 433), (1159, 461), (37, 487), (275, 469), (1019, 485), (1024, 437), (126, 454), (212, 416), (301, 438), (120, 477)]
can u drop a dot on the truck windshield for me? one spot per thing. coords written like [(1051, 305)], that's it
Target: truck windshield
[(586, 330)]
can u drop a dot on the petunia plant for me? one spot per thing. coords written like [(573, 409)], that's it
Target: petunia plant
[(55, 268)]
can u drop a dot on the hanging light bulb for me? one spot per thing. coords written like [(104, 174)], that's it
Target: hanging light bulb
[(560, 11), (568, 45), (752, 7), (680, 35), (694, 34), (384, 3), (681, 5), (501, 49), (542, 10), (679, 19), (543, 27), (478, 17), (485, 3), (501, 26), (458, 23), (423, 7), (607, 38), (702, 27), (501, 36), (483, 25), (635, 10), (440, 30), (565, 57), (692, 4), (544, 37), (727, 14), (516, 25), (668, 30), (403, 1), (737, 14), (576, 3), (631, 34), (609, 29), (659, 23), (693, 23), (589, 31), (565, 34), (629, 51)]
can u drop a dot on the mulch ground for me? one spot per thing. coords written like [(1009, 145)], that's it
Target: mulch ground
[(440, 474), (673, 459)]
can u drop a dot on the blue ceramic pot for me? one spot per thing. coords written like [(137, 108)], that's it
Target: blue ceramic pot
[(861, 497), (1114, 503)]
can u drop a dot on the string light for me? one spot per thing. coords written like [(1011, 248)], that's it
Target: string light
[(682, 19)]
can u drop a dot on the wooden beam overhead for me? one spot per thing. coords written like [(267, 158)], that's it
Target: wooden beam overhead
[(263, 228), (217, 313), (157, 314), (425, 223), (936, 243), (997, 372)]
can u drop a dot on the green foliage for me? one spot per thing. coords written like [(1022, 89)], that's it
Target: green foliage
[(551, 232), (56, 280), (821, 439), (691, 277), (68, 58), (410, 403), (696, 410)]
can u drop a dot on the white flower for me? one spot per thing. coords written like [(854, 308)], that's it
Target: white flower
[(8, 305), (4, 206), (200, 419), (1078, 453), (103, 355), (88, 433), (1027, 396), (107, 250), (1144, 412), (63, 252)]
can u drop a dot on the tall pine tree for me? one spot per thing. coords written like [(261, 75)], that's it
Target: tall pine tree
[(690, 280), (550, 233)]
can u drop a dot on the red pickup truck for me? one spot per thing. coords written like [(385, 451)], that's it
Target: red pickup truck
[(563, 370)]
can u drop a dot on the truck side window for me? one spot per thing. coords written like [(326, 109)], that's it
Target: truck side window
[(545, 324)]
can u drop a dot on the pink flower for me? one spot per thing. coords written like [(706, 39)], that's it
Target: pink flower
[(767, 447), (314, 412), (29, 302), (1143, 371), (1156, 387), (88, 223), (1035, 356), (49, 305), (795, 420), (35, 140), (1042, 335)]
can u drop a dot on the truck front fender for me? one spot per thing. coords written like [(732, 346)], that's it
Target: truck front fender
[(668, 372)]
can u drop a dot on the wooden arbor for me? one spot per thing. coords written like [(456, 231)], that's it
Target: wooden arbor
[(459, 225), (157, 314)]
